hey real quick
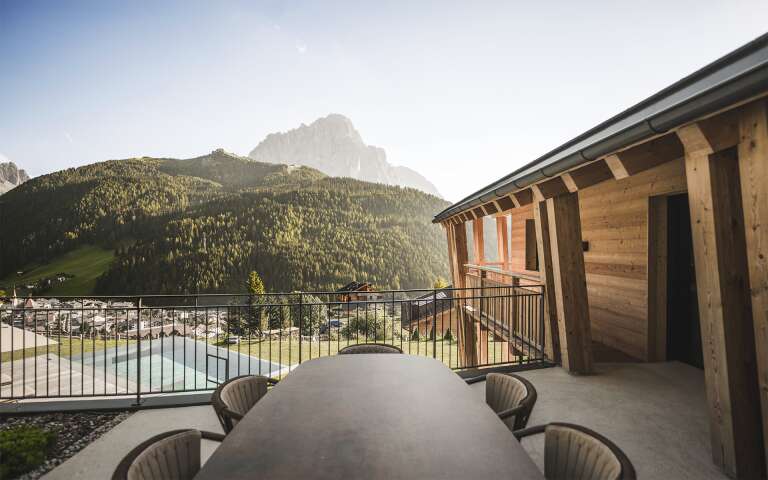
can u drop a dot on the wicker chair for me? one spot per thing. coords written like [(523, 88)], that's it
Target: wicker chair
[(369, 348), (171, 455), (512, 397), (233, 398), (578, 453)]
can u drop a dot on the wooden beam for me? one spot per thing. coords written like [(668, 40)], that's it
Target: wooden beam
[(753, 174), (538, 195), (650, 154), (478, 241), (722, 131), (656, 348), (502, 239), (551, 332), (727, 332), (570, 184), (478, 212), (467, 340), (590, 174), (548, 189), (570, 283), (617, 168)]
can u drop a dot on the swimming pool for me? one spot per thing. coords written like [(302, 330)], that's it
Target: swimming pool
[(171, 364)]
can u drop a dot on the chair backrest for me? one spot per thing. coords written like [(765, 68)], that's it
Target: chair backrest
[(507, 391), (578, 453), (237, 395), (369, 348), (170, 455)]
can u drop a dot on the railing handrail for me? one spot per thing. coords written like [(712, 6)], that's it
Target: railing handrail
[(488, 267)]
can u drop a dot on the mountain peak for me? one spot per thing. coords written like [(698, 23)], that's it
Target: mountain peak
[(332, 145), (11, 176)]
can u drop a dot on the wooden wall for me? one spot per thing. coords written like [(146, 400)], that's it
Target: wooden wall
[(517, 238), (614, 220), (614, 217)]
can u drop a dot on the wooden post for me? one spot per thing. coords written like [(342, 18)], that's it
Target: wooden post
[(656, 348), (502, 240), (478, 239), (753, 170), (722, 283), (467, 339), (570, 283), (551, 335)]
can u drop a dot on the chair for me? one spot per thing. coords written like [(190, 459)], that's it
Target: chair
[(173, 455), (512, 397), (369, 348), (233, 398), (574, 452)]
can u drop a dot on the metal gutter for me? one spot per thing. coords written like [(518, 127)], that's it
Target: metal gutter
[(736, 76)]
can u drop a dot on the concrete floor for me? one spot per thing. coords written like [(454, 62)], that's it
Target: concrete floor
[(655, 412)]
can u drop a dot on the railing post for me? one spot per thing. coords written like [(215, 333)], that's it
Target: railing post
[(434, 323), (542, 335), (138, 351), (301, 319)]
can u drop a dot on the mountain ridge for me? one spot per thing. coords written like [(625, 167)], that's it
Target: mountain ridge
[(332, 145), (179, 225)]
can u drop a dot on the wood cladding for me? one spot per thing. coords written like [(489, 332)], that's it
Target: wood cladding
[(614, 219)]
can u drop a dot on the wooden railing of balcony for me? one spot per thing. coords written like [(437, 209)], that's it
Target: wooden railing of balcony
[(513, 315)]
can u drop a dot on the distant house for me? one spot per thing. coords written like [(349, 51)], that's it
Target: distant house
[(422, 311), (358, 292)]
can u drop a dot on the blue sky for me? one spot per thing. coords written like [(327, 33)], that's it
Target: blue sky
[(463, 92)]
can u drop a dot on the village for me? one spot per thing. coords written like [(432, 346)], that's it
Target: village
[(120, 318)]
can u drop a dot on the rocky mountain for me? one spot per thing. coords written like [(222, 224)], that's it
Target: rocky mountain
[(11, 176), (332, 145)]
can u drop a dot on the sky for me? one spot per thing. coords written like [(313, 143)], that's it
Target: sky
[(463, 92)]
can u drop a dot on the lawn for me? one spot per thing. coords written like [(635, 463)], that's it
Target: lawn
[(66, 347), (86, 263), (288, 352)]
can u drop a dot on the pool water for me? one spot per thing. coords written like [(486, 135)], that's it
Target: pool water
[(172, 364)]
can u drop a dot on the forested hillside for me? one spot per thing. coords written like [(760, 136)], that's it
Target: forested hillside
[(208, 221)]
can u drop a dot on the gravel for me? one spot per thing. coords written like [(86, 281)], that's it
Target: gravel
[(75, 432)]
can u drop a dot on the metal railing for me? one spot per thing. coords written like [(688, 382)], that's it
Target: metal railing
[(157, 344)]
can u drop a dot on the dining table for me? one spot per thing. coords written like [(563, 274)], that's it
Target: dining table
[(373, 416)]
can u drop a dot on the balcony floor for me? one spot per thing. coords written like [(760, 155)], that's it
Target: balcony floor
[(655, 412)]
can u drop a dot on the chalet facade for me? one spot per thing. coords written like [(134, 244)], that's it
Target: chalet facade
[(358, 292), (649, 234)]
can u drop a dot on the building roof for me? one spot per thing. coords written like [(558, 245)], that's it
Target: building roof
[(354, 287), (735, 77)]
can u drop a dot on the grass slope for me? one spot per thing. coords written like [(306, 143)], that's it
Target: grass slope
[(86, 263)]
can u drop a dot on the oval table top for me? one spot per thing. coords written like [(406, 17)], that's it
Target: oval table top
[(385, 416)]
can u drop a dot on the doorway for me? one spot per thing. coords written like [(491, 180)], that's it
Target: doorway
[(683, 331)]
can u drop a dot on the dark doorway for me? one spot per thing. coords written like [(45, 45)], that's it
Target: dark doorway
[(683, 333)]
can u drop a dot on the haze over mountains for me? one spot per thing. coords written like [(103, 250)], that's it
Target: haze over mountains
[(11, 176), (332, 145)]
